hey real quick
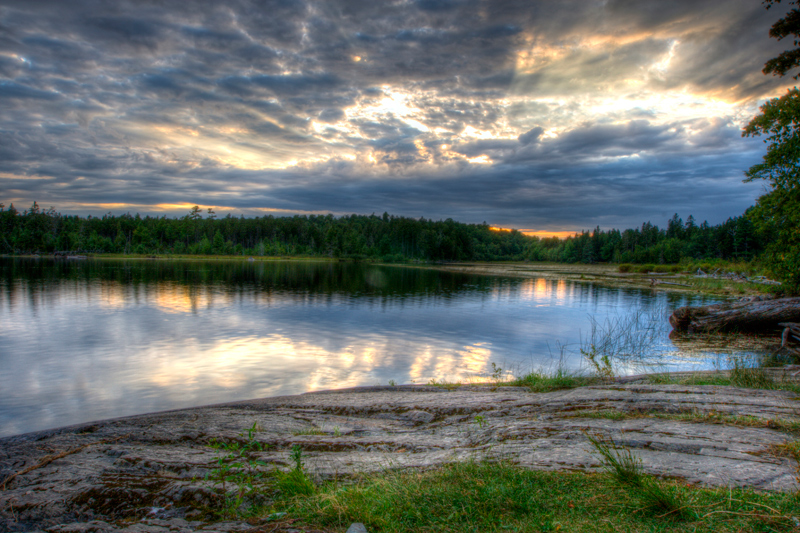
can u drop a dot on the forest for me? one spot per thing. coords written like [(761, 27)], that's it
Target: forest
[(383, 238)]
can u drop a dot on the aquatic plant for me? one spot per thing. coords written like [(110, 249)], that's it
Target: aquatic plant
[(624, 341)]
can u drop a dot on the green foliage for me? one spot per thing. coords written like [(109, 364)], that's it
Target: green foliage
[(777, 213), (787, 26), (388, 239), (653, 248)]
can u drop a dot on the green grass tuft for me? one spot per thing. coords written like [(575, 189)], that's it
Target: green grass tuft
[(311, 431), (540, 382), (749, 377), (626, 469), (294, 483)]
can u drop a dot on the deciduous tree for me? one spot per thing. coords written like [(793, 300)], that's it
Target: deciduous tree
[(777, 213)]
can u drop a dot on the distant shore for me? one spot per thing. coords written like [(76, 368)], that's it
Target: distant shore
[(604, 274)]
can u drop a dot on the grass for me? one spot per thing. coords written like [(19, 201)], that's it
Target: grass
[(718, 379), (710, 285), (626, 470), (295, 482), (791, 427), (559, 380), (714, 417), (448, 385), (311, 431), (738, 376), (501, 497), (536, 381)]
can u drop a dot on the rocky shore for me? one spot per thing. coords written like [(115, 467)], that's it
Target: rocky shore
[(148, 473)]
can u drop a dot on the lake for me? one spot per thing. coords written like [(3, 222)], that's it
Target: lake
[(83, 340)]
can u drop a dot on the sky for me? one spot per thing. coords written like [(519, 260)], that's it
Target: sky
[(537, 115)]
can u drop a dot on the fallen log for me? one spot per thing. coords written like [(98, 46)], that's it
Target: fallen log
[(790, 337), (756, 316)]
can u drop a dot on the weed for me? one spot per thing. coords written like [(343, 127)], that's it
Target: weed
[(497, 373), (337, 432), (603, 366), (297, 456), (480, 420), (236, 469), (392, 383)]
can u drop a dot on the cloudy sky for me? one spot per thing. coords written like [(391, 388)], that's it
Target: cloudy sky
[(532, 114)]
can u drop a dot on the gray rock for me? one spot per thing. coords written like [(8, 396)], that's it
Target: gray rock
[(154, 467), (357, 527), (419, 417), (95, 526)]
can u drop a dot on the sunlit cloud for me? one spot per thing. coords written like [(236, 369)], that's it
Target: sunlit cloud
[(297, 109)]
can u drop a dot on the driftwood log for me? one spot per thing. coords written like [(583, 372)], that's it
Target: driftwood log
[(757, 316)]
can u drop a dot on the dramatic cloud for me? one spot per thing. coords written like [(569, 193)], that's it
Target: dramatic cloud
[(529, 114)]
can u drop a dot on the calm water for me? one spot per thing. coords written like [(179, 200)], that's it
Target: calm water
[(86, 340)]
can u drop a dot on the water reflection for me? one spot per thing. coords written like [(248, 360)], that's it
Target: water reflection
[(97, 339)]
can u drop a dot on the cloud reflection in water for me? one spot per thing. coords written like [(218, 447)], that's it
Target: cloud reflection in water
[(112, 338)]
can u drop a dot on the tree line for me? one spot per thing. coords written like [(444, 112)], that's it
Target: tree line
[(385, 238)]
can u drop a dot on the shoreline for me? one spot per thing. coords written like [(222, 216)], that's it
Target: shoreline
[(97, 471), (781, 374), (605, 274)]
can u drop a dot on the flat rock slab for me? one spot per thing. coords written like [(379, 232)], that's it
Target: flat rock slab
[(147, 473)]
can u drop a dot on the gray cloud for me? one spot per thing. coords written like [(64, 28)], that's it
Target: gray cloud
[(360, 106)]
